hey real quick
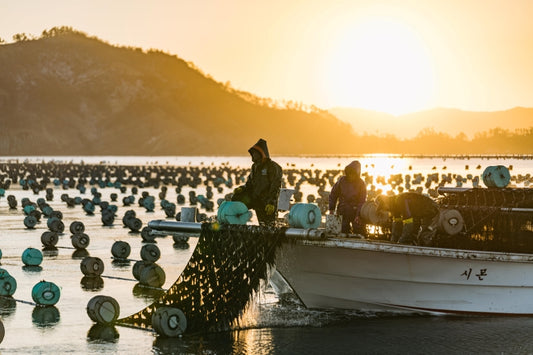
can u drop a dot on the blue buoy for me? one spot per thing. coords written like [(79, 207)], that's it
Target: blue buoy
[(45, 293), (8, 284), (32, 257), (233, 212), (496, 176), (304, 215)]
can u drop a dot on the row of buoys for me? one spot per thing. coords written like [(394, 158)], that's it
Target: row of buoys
[(166, 321), (44, 293), (131, 221)]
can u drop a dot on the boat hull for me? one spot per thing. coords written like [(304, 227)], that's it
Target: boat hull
[(374, 276)]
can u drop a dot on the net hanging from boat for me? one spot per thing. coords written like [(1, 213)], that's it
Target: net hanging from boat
[(216, 285)]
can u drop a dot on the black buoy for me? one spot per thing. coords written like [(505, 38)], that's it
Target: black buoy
[(92, 266), (169, 321), (103, 309), (120, 249)]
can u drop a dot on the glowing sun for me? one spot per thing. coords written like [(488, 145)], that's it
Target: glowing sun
[(380, 65)]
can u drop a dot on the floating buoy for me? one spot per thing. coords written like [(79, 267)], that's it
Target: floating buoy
[(304, 215), (49, 239), (134, 224), (92, 266), (30, 222), (103, 309), (77, 227), (138, 267), (55, 225), (45, 293), (120, 249), (8, 284), (80, 241), (150, 252), (152, 275), (231, 212), (496, 176), (147, 236), (451, 221), (32, 257), (169, 321), (108, 217)]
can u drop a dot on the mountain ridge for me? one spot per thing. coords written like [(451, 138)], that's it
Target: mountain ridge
[(450, 121), (69, 94)]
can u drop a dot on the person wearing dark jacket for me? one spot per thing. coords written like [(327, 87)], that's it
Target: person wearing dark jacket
[(261, 190), (350, 193), (414, 217)]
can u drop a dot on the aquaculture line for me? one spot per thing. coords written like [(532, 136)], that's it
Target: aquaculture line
[(217, 283)]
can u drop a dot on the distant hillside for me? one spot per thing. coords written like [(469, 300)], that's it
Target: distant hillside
[(450, 121), (68, 94)]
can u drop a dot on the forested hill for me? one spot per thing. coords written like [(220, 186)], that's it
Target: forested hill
[(68, 94)]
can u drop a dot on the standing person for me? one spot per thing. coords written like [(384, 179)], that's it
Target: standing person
[(415, 217), (350, 193), (261, 190)]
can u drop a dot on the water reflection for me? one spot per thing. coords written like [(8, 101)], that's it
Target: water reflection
[(8, 305), (103, 332), (80, 254), (181, 245), (147, 293), (45, 317), (50, 252), (30, 269), (92, 283), (121, 263)]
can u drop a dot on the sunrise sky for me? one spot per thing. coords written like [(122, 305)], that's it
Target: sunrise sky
[(391, 56)]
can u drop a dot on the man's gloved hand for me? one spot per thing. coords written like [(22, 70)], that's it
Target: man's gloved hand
[(269, 209)]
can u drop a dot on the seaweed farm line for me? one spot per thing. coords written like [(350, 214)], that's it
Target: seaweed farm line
[(66, 327)]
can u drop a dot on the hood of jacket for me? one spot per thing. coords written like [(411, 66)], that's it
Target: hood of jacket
[(354, 166), (261, 147)]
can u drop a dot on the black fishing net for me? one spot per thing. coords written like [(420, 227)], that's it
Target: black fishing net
[(216, 285), (495, 219)]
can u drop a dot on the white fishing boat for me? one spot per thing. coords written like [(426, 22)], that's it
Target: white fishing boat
[(483, 263), (349, 273)]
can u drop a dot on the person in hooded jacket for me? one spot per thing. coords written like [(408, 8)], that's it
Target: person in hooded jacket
[(261, 190), (415, 217), (347, 197)]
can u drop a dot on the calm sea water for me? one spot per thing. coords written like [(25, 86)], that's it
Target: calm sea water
[(269, 326)]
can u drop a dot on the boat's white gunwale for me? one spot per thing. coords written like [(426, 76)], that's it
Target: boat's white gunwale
[(364, 244)]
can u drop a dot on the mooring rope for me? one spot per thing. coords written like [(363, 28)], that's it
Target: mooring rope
[(216, 285)]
